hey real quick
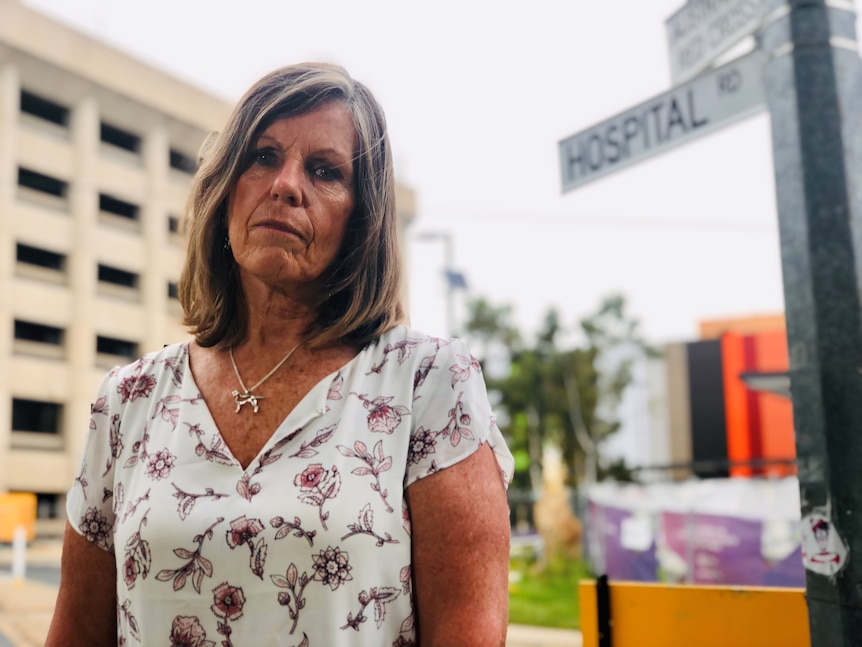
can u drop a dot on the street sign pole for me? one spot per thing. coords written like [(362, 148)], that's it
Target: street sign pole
[(813, 83)]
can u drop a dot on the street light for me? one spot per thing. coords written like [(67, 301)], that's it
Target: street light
[(455, 280)]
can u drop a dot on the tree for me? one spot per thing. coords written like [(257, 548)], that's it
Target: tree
[(568, 396)]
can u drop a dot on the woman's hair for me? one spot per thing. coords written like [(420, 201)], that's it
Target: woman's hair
[(362, 294)]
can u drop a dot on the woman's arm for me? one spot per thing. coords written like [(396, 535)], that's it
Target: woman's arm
[(460, 530), (86, 611)]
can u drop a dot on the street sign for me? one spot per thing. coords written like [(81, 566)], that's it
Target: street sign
[(716, 99), (704, 29)]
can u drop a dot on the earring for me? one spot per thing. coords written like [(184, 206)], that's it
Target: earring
[(226, 244)]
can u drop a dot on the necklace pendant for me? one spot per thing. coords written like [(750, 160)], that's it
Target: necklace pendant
[(246, 398)]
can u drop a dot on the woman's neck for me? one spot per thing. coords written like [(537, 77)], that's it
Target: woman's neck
[(276, 319)]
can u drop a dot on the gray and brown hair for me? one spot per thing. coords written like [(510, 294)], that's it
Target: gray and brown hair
[(362, 294)]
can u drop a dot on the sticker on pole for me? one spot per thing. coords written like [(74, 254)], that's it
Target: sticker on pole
[(823, 550)]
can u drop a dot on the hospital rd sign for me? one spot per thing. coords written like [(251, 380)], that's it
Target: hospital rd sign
[(716, 99)]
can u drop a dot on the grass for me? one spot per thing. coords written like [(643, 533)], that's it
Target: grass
[(548, 596)]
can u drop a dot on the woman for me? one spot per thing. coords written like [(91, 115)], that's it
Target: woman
[(307, 471)]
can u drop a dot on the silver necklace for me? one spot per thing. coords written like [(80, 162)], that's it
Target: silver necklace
[(247, 396)]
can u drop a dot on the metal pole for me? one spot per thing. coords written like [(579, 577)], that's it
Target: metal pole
[(814, 92), (448, 269)]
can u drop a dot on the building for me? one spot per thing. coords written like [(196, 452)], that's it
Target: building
[(97, 152), (720, 420)]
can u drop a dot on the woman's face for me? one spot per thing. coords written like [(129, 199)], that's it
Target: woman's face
[(289, 209)]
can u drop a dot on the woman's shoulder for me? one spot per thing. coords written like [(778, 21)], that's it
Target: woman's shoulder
[(171, 357), (406, 335), (408, 348), (407, 342)]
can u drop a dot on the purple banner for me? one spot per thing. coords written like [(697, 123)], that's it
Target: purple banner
[(713, 549), (786, 570), (628, 550), (692, 547)]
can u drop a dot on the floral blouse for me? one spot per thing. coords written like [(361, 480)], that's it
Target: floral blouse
[(310, 544)]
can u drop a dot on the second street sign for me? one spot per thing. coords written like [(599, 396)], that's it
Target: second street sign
[(703, 29), (701, 106)]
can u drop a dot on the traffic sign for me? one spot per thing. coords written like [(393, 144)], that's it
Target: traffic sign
[(716, 99), (704, 29)]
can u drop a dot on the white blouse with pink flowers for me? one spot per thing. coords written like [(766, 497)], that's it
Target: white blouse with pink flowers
[(310, 544)]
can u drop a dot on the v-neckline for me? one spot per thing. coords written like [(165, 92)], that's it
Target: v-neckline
[(304, 414)]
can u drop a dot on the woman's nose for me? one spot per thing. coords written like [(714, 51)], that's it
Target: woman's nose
[(287, 185)]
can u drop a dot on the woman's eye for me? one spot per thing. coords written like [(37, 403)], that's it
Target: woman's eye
[(325, 173), (264, 157)]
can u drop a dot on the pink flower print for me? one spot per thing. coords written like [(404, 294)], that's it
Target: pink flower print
[(160, 464), (317, 485), (186, 631), (383, 417), (310, 478), (136, 386), (137, 559), (422, 443), (227, 605), (95, 527), (228, 601), (243, 531), (130, 571), (331, 567)]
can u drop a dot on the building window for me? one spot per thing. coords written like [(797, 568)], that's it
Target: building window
[(118, 277), (40, 257), (120, 138), (47, 505), (116, 347), (42, 108), (173, 290), (38, 340), (46, 184), (173, 225), (183, 162), (36, 263), (35, 416), (117, 283), (118, 207), (40, 333)]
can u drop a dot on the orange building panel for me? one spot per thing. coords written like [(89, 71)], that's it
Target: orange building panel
[(753, 325), (776, 412), (758, 425), (737, 405)]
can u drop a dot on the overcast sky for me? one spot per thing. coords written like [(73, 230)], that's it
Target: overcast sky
[(478, 93)]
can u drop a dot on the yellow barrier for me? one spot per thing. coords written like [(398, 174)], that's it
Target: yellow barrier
[(658, 615), (17, 509)]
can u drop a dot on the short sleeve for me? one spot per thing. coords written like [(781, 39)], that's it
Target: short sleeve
[(89, 501), (452, 415)]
